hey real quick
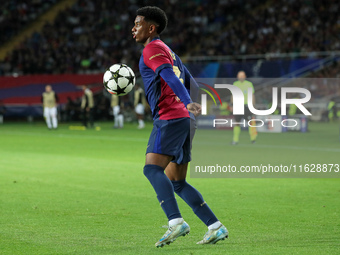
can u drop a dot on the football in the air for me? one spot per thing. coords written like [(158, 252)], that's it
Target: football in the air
[(119, 79)]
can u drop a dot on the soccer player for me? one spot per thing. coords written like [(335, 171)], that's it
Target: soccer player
[(117, 108), (170, 142), (87, 106), (49, 99), (243, 84), (139, 103), (332, 111)]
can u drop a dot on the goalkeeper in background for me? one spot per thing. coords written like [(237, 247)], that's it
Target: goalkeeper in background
[(243, 84)]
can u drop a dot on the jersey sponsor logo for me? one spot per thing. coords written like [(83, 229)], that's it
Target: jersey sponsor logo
[(156, 55)]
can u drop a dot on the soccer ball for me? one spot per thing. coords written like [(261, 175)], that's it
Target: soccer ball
[(119, 79)]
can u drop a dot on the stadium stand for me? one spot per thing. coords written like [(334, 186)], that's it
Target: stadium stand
[(16, 14), (91, 35), (218, 38), (332, 71), (284, 26)]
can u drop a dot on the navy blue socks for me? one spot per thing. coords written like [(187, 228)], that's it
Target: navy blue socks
[(195, 200), (164, 190)]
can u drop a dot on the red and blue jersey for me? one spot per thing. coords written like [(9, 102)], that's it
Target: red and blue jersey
[(164, 103)]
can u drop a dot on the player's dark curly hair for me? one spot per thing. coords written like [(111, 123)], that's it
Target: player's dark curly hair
[(155, 15)]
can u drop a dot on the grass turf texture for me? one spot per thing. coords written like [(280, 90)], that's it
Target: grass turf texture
[(83, 192)]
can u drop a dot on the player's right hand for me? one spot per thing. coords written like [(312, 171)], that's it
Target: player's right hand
[(195, 108)]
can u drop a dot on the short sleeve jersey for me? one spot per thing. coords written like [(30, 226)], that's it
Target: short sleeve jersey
[(163, 101), (244, 87)]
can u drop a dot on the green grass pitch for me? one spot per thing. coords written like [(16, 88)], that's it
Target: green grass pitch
[(83, 192)]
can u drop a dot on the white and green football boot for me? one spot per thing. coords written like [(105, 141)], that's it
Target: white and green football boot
[(172, 233), (215, 235)]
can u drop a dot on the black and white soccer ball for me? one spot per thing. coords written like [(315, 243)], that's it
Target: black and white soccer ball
[(119, 79)]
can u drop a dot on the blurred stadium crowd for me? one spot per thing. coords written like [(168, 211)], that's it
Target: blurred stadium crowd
[(15, 15), (93, 34), (90, 35)]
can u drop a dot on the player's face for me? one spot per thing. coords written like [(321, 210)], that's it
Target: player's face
[(48, 88), (141, 29)]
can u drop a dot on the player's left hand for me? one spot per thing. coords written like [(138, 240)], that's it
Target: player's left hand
[(195, 108)]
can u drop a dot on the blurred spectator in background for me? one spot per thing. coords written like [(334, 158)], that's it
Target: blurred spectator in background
[(49, 99), (332, 111), (117, 105), (2, 112), (139, 104), (87, 106)]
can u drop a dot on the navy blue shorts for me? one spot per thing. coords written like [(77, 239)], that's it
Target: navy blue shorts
[(173, 138)]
